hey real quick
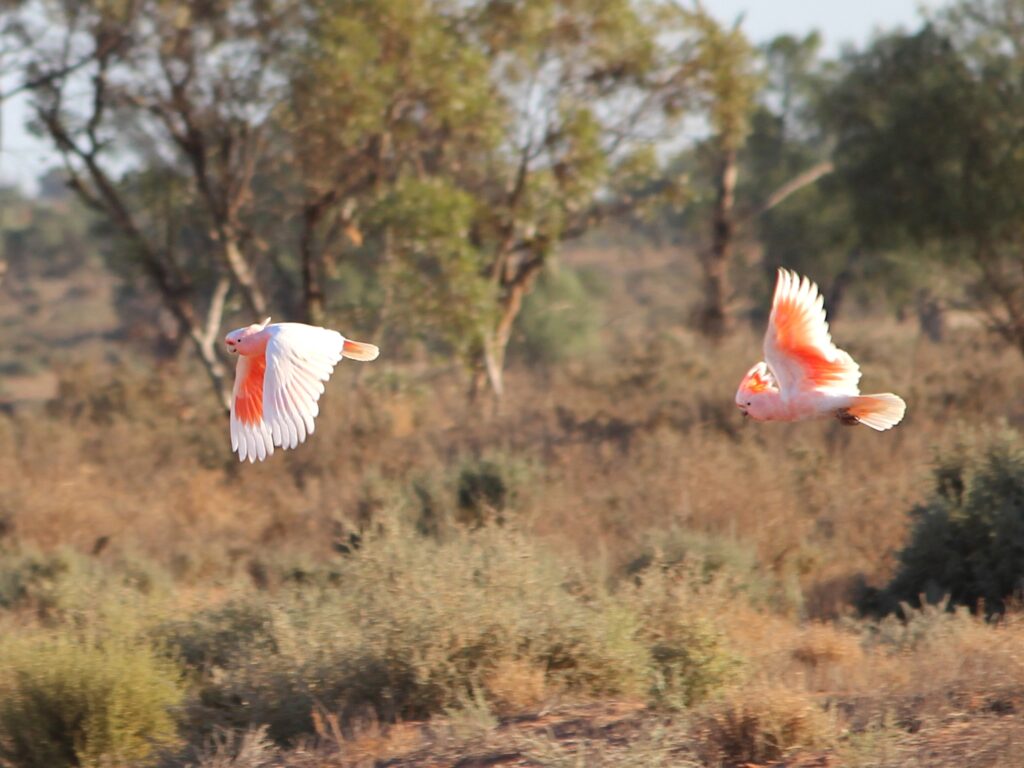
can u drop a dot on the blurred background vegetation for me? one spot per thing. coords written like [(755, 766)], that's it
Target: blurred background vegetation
[(536, 531)]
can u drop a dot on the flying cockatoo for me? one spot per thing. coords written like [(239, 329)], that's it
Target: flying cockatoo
[(278, 380), (804, 375)]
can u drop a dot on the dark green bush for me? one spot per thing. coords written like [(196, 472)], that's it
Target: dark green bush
[(478, 491), (967, 541), (214, 637)]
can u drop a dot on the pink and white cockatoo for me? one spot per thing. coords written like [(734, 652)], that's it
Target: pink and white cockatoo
[(278, 381), (804, 375)]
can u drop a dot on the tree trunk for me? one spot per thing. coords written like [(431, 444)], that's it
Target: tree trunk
[(714, 318), (239, 268), (173, 295), (312, 288), (496, 342)]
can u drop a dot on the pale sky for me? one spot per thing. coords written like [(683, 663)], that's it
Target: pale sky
[(839, 21), (23, 158)]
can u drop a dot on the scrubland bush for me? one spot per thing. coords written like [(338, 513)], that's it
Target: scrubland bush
[(731, 564), (57, 587), (238, 749), (561, 317), (407, 627), (760, 724), (80, 701), (477, 491), (967, 541)]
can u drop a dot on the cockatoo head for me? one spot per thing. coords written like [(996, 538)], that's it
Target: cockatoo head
[(245, 341), (757, 392)]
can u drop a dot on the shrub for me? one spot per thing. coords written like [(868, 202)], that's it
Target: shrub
[(760, 725), (214, 637), (35, 582), (967, 540), (407, 627), (560, 318), (77, 702), (726, 562), (686, 655), (477, 491), (55, 583), (238, 749), (487, 488)]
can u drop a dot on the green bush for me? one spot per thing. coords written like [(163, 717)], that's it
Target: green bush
[(728, 563), (73, 702), (487, 488), (474, 492), (407, 627), (967, 541), (561, 317), (55, 584), (213, 638)]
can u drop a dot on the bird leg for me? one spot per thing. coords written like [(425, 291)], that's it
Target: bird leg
[(847, 418)]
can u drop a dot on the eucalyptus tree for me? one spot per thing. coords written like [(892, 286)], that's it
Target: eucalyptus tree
[(930, 146), (160, 112), (253, 154), (468, 140), (728, 83)]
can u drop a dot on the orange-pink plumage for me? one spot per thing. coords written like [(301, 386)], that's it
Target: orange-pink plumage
[(804, 374)]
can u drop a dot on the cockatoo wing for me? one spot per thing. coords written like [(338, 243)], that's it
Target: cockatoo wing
[(250, 436), (798, 347), (299, 358)]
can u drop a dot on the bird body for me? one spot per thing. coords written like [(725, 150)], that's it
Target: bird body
[(279, 378), (804, 374)]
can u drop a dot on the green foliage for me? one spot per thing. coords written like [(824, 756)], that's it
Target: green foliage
[(930, 149), (408, 627), (687, 659), (907, 116), (362, 56), (561, 317), (473, 491), (482, 492), (434, 272), (69, 701), (968, 539), (727, 78), (58, 584), (34, 581), (729, 565), (921, 627), (211, 639)]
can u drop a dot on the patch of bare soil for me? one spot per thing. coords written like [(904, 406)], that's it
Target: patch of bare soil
[(625, 734)]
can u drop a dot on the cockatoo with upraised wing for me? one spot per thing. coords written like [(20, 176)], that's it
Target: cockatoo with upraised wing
[(804, 375), (278, 381)]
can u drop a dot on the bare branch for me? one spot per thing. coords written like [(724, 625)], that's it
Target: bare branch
[(791, 187), (215, 312), (49, 78)]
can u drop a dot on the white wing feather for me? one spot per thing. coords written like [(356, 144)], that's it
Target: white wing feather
[(299, 359)]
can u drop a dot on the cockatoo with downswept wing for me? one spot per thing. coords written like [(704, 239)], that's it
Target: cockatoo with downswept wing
[(278, 381), (804, 375)]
